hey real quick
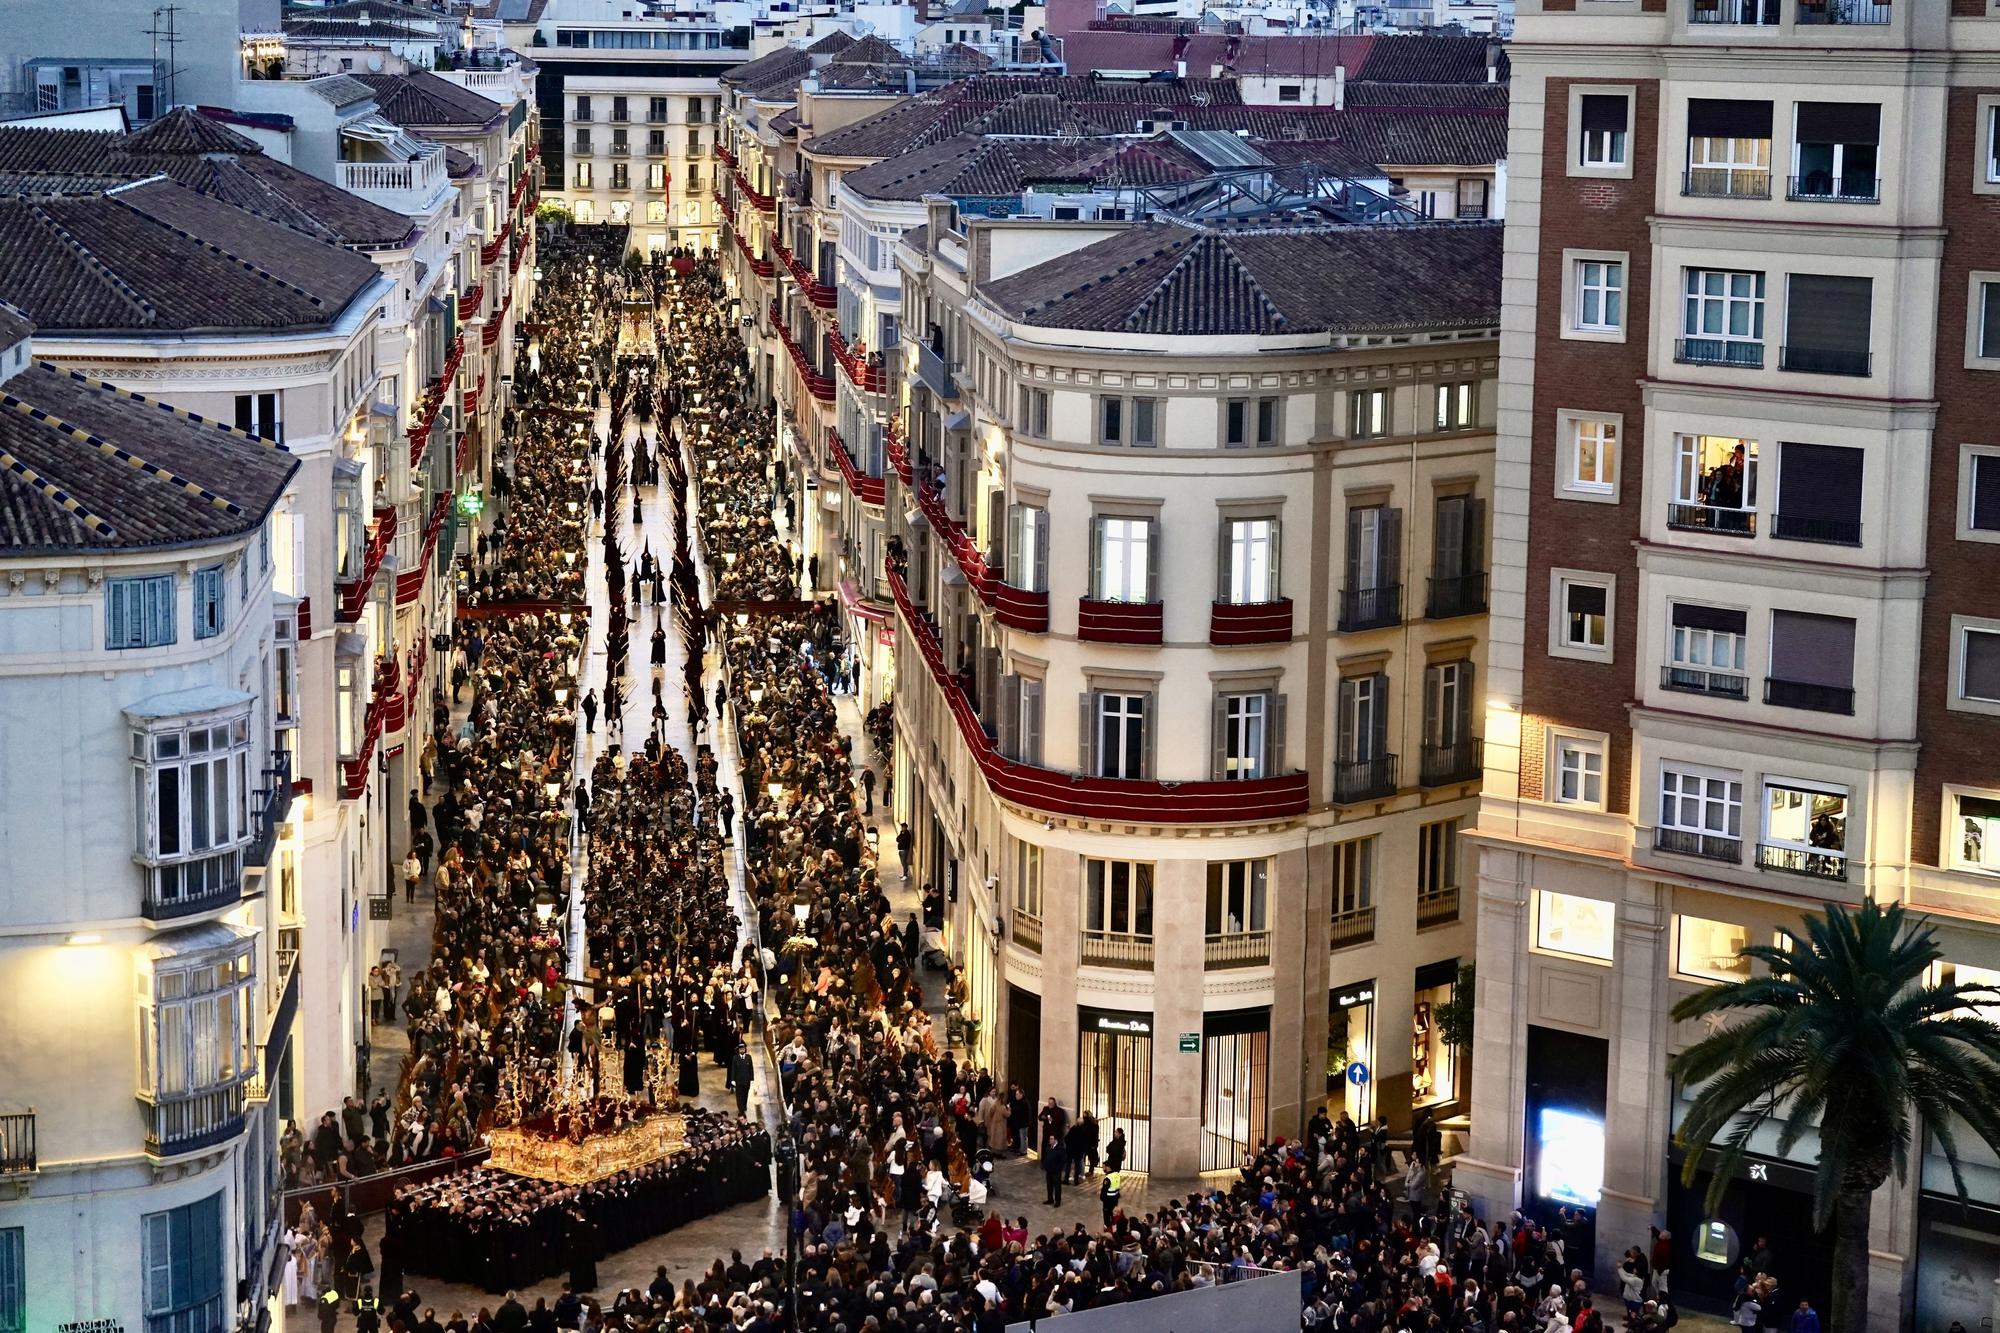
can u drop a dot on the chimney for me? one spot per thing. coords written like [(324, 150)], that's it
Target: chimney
[(1340, 87), (1493, 62)]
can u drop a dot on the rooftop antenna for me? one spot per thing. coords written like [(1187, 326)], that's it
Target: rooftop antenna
[(171, 38)]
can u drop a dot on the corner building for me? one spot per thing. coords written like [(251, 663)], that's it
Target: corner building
[(1190, 590), (1744, 652)]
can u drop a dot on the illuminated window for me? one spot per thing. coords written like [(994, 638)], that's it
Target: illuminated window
[(1575, 926), (1711, 950)]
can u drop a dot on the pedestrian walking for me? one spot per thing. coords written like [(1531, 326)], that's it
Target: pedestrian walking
[(868, 790), (413, 875), (590, 713), (741, 1073)]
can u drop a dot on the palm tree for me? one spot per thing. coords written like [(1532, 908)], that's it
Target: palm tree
[(1846, 1030)]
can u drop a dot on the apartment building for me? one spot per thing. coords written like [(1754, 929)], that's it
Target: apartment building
[(1189, 575), (1744, 609), (150, 952)]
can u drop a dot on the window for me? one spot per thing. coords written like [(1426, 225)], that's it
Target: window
[(1437, 864), (1247, 736), (1722, 318), (1373, 593), (1826, 324), (1122, 743), (1458, 550), (139, 612), (196, 1018), (1021, 718), (350, 684), (1590, 455), (583, 181), (285, 670), (1364, 719), (1237, 893), (621, 177), (1034, 411), (1602, 124), (257, 414), (1128, 421), (1249, 561), (656, 178), (1701, 813), (582, 109), (1123, 558), (656, 109), (1353, 877), (1715, 485), (1473, 194), (656, 212), (1583, 617), (1448, 705), (191, 793), (1579, 770), (697, 112), (1976, 664), (1028, 547), (1834, 151), (13, 1281), (1600, 296), (1455, 407), (1819, 493), (1805, 829), (1978, 834), (1711, 950), (1288, 92), (211, 592), (1248, 421), (1729, 149), (1575, 926), (1812, 662), (183, 1249), (1027, 880), (1706, 651), (1367, 413), (1118, 897)]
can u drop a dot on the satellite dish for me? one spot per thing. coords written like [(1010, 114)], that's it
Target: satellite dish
[(374, 64)]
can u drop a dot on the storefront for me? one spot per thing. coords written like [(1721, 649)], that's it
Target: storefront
[(1115, 1078), (1434, 1073), (1564, 1177), (1350, 1051), (1235, 1085), (1768, 1200), (1024, 1042)]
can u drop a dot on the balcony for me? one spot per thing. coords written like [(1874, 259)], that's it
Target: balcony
[(193, 1121), (191, 887), (401, 187), (1105, 949), (818, 385), (1456, 595), (1722, 522), (1028, 930), (1734, 13), (1813, 863), (866, 373), (1737, 353), (763, 268), (1823, 187), (1697, 680), (1370, 608), (354, 591), (1352, 928), (764, 203), (17, 1143), (1808, 696), (1823, 361), (272, 803), (1356, 780), (1244, 948), (656, 148), (1437, 909), (934, 374), (1024, 609), (1725, 183), (1109, 799), (821, 294), (898, 452), (1693, 842), (1099, 621), (1234, 624), (1819, 13), (863, 487), (1826, 531), (1461, 761)]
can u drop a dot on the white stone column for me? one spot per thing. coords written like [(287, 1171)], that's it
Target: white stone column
[(1491, 1171), (1180, 889)]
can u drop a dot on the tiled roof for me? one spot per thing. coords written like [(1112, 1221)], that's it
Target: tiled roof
[(158, 258), (184, 145), (1290, 278), (774, 69), (832, 44), (14, 325), (458, 164), (422, 100), (972, 166), (371, 9), (785, 122), (352, 30), (1431, 59), (1427, 97), (870, 50), (84, 466), (510, 11), (340, 89)]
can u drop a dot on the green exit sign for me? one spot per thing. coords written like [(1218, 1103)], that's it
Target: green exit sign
[(1190, 1043)]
